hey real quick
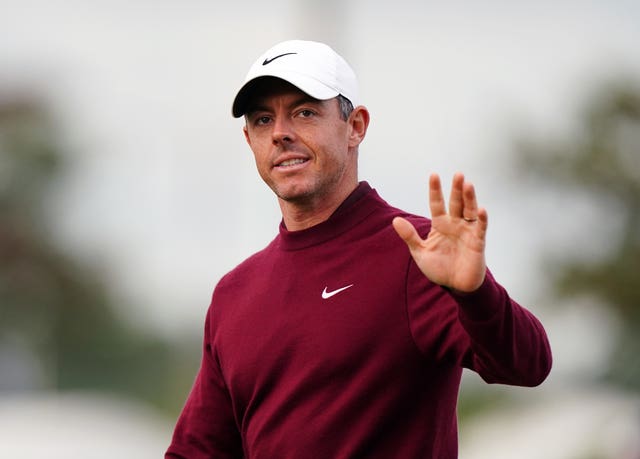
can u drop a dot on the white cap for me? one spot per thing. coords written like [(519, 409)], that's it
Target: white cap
[(312, 67)]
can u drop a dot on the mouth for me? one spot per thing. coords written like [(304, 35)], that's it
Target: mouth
[(291, 162)]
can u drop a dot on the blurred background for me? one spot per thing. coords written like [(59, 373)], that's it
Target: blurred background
[(127, 191)]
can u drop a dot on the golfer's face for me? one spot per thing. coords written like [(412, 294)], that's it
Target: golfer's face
[(300, 144)]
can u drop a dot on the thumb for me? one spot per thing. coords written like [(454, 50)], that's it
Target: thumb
[(407, 232)]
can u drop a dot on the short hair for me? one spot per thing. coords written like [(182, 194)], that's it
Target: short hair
[(345, 105)]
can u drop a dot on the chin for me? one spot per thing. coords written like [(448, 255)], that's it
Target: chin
[(291, 189), (295, 194)]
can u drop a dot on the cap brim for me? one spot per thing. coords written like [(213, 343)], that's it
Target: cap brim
[(304, 83)]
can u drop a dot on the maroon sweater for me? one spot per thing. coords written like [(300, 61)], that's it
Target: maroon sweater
[(297, 365)]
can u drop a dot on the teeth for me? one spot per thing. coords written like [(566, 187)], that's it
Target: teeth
[(291, 162)]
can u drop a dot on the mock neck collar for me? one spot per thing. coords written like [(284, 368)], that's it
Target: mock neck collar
[(358, 205)]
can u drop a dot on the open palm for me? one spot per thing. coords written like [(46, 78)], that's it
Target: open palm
[(452, 255)]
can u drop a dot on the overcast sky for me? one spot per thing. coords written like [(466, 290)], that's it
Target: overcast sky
[(162, 191)]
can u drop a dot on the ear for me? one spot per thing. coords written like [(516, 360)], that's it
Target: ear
[(358, 124), (246, 134)]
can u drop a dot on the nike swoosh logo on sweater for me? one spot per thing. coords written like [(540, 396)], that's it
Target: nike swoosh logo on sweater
[(326, 295)]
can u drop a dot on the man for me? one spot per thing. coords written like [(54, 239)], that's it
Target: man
[(336, 341)]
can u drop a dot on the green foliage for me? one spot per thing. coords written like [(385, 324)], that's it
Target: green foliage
[(56, 308), (474, 401), (603, 161)]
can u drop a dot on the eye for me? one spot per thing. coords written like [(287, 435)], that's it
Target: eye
[(306, 113), (262, 120)]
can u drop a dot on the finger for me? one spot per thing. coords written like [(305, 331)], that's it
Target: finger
[(436, 198), (470, 203), (456, 199), (407, 232), (483, 223)]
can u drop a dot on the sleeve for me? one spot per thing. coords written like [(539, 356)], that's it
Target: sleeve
[(206, 428), (485, 331)]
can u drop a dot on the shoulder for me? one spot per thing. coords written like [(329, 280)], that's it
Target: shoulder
[(387, 213), (248, 269)]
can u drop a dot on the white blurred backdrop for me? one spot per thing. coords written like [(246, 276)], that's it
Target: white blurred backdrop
[(161, 191)]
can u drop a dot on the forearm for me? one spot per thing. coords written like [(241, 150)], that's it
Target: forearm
[(508, 343)]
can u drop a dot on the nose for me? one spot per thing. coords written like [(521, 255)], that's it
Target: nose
[(282, 132)]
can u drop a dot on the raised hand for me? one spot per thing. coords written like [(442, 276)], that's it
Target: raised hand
[(452, 255)]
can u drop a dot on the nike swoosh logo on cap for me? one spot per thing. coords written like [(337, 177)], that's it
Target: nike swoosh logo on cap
[(268, 61), (326, 295)]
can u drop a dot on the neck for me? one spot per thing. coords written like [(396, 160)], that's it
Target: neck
[(302, 215)]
